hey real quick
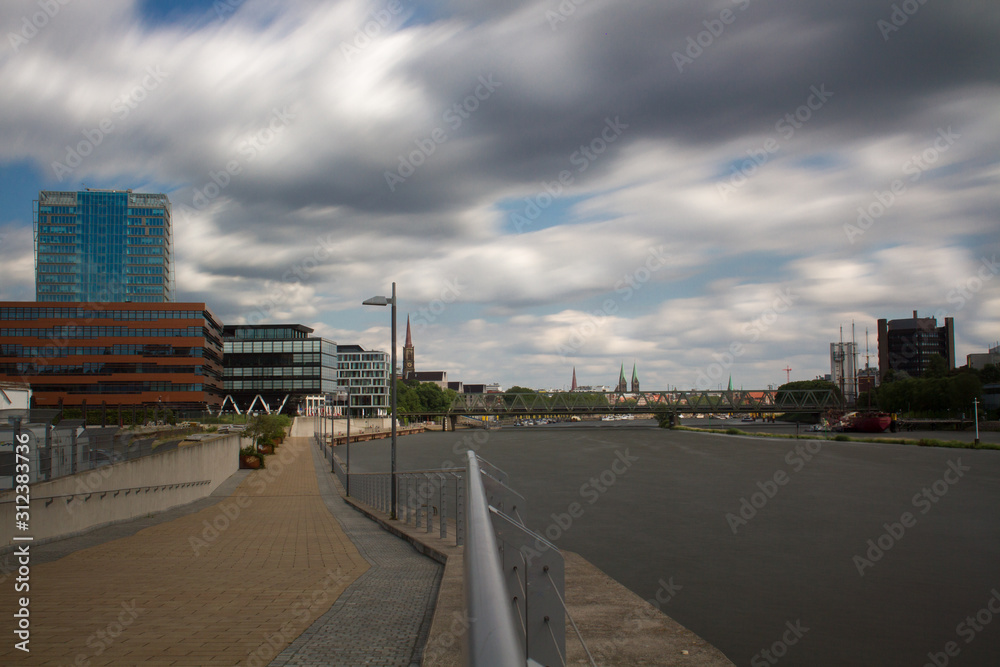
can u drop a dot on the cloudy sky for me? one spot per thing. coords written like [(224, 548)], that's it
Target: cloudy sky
[(703, 189)]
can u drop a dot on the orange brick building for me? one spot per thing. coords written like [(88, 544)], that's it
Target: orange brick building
[(153, 354)]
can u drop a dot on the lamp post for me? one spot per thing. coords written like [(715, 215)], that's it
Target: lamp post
[(975, 417), (347, 440), (390, 301)]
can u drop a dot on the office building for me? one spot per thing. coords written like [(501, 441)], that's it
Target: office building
[(103, 246), (979, 361), (120, 354), (906, 346), (274, 367), (367, 373)]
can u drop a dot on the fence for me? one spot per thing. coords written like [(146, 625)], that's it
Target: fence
[(69, 447), (514, 578)]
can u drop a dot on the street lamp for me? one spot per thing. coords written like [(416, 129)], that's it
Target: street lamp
[(390, 301)]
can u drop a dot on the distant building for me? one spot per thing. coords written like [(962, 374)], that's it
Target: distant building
[(622, 387), (492, 388), (980, 361), (456, 386), (906, 346), (572, 386), (103, 246), (121, 354), (273, 367), (635, 380), (440, 378), (367, 373), (867, 380), (844, 369)]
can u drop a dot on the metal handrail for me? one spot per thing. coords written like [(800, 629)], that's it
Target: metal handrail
[(494, 638)]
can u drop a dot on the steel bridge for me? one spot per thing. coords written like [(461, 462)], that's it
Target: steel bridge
[(641, 402)]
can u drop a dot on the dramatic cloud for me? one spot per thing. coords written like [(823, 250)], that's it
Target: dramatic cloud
[(549, 184)]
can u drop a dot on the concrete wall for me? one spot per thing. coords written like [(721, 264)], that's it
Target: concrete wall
[(86, 500)]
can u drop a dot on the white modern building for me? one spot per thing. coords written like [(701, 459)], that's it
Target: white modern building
[(367, 374)]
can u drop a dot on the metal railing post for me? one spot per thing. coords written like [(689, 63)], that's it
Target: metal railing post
[(494, 638)]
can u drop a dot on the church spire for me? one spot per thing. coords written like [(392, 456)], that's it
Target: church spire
[(572, 387), (635, 379), (409, 356)]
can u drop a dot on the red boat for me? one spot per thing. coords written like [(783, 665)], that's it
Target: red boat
[(865, 422)]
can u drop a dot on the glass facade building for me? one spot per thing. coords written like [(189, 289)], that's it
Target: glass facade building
[(367, 373), (121, 354), (103, 246), (276, 366)]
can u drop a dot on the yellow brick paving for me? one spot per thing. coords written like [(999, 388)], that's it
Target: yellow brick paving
[(233, 584)]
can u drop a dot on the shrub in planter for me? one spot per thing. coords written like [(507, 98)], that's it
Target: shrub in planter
[(251, 458)]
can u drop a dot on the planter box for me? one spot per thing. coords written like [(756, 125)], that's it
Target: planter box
[(250, 461)]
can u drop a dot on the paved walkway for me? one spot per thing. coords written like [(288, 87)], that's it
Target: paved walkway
[(383, 618), (231, 583)]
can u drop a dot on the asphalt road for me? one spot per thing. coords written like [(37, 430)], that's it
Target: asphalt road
[(762, 544)]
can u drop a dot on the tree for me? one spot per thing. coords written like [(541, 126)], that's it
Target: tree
[(937, 367), (990, 374), (510, 395)]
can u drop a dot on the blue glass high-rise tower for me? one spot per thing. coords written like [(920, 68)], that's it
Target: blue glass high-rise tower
[(103, 246)]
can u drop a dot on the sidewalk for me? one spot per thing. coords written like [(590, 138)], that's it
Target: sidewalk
[(233, 583)]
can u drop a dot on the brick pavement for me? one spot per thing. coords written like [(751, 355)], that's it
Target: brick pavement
[(231, 584), (384, 617)]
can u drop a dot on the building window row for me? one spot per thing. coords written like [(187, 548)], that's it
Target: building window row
[(127, 387), (88, 314), (268, 346), (26, 369), (272, 385), (59, 351), (74, 331)]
